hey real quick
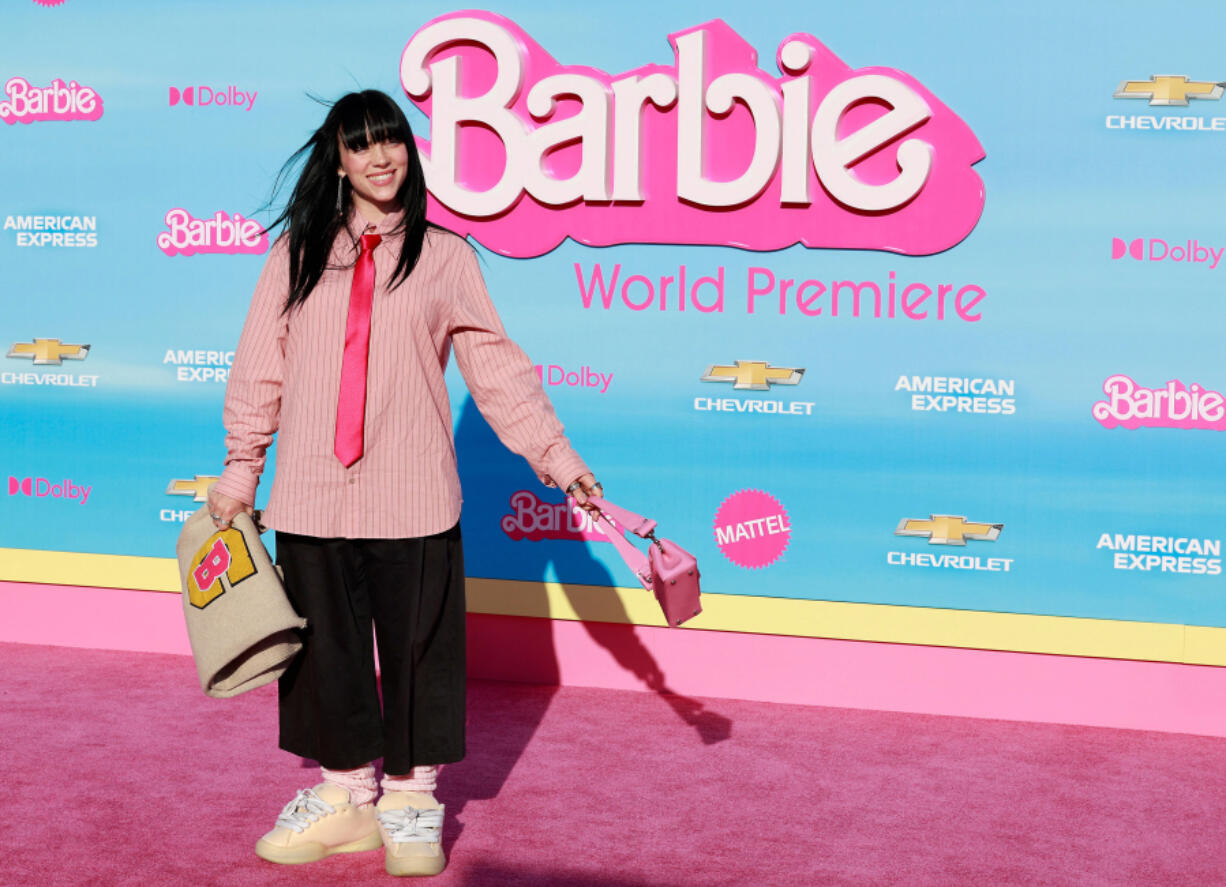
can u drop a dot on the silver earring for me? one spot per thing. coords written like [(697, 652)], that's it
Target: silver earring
[(340, 194)]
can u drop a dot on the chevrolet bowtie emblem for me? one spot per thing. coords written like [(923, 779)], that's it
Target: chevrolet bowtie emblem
[(50, 352), (197, 488), (948, 529), (1169, 89), (753, 375)]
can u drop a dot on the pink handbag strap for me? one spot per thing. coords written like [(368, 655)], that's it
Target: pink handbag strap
[(635, 559), (635, 523)]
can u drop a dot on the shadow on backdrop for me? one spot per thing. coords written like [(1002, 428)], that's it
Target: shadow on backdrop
[(490, 474)]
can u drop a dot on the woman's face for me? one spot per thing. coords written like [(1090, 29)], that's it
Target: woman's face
[(375, 173)]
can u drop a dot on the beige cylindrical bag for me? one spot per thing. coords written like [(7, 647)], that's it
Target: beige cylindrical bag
[(242, 628)]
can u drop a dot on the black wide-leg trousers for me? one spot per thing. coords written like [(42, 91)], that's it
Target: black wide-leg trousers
[(413, 592)]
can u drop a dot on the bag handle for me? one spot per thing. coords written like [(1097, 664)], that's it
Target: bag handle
[(635, 559), (637, 524)]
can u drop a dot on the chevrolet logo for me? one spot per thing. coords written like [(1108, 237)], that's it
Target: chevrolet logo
[(48, 352), (197, 488), (948, 529), (753, 375), (1169, 89)]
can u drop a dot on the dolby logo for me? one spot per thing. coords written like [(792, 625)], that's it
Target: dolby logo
[(208, 97), (42, 488), (1155, 249)]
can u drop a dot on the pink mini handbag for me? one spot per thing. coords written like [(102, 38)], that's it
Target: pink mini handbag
[(668, 570)]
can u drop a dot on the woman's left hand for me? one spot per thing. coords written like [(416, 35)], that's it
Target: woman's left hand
[(585, 486)]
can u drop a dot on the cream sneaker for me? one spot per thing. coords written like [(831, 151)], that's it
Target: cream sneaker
[(318, 822), (411, 824)]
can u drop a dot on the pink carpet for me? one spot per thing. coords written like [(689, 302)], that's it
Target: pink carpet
[(117, 770)]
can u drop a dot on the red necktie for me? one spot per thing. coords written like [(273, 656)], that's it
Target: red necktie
[(351, 404)]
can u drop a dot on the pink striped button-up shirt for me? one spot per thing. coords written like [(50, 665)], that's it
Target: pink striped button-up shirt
[(286, 377)]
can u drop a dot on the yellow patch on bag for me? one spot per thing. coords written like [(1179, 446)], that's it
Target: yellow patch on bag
[(220, 564)]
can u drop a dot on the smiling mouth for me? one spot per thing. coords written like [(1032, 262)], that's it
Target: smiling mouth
[(382, 178)]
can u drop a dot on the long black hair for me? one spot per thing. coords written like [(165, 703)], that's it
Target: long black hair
[(311, 217)]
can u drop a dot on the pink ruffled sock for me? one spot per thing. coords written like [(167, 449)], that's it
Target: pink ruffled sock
[(360, 783), (419, 779)]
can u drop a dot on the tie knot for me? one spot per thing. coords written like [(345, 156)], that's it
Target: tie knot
[(370, 241)]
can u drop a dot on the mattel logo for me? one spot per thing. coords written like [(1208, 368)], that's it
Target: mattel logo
[(752, 529), (1155, 249), (206, 96), (41, 488)]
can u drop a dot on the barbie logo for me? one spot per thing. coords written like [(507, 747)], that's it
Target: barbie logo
[(536, 520), (709, 149), (224, 233), (1173, 406), (27, 103)]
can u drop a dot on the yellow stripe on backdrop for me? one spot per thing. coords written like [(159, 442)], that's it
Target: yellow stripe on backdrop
[(97, 570), (973, 629)]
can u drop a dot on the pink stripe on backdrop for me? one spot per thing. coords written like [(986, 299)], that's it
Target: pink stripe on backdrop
[(102, 618), (884, 677), (1158, 696)]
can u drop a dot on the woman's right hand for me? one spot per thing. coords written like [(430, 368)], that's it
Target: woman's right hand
[(223, 508)]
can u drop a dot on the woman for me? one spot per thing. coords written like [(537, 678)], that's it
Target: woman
[(366, 502)]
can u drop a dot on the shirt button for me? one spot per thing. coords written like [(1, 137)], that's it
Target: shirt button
[(353, 480)]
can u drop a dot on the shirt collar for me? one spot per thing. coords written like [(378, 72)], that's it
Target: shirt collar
[(358, 225)]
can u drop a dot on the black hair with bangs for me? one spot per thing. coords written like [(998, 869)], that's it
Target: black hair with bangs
[(312, 218)]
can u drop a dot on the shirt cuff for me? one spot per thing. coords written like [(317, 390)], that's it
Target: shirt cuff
[(566, 467), (238, 483)]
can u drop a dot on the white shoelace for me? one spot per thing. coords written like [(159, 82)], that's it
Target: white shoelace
[(412, 826), (306, 808)]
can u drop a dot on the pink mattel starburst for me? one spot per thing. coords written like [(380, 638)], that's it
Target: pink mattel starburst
[(752, 529)]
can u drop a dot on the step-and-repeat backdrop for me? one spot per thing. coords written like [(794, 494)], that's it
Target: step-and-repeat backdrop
[(864, 302)]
